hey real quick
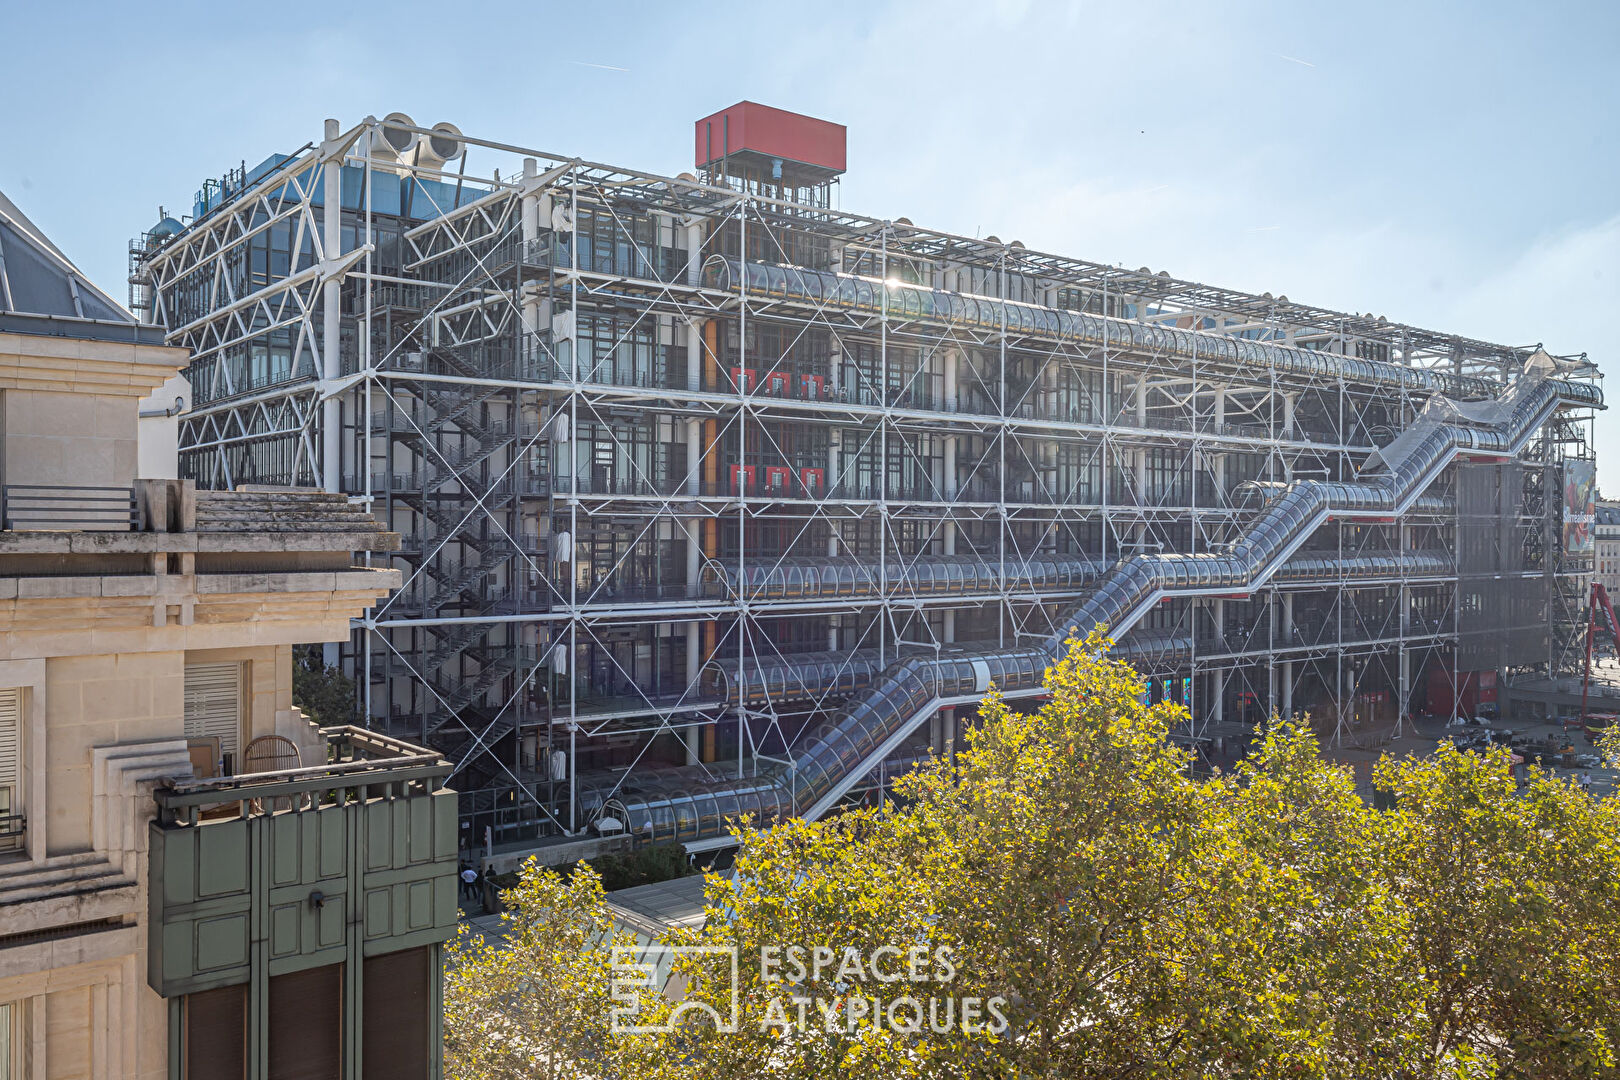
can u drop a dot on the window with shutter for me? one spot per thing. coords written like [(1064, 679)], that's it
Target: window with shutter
[(395, 1021), (214, 706), (7, 1051), (216, 1034), (306, 1024), (10, 769)]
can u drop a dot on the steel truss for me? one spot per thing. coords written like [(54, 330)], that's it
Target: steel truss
[(661, 521)]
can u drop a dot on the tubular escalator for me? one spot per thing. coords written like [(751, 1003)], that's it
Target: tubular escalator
[(907, 302), (804, 578), (872, 725)]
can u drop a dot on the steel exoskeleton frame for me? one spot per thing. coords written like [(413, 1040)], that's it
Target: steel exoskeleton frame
[(616, 463)]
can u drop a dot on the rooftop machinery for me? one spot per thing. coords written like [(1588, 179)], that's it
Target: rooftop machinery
[(716, 496)]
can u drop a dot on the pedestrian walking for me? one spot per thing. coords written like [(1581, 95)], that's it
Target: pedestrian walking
[(469, 882)]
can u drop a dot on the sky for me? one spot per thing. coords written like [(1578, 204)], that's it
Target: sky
[(1454, 166)]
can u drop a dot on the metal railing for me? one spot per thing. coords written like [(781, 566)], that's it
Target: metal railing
[(13, 827), (64, 508), (363, 765)]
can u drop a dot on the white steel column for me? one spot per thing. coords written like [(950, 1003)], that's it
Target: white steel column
[(331, 316), (694, 251), (1140, 456), (694, 355), (834, 532), (331, 336), (1288, 666), (694, 454), (952, 361), (833, 474)]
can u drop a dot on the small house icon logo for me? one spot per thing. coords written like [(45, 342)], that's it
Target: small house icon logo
[(638, 969)]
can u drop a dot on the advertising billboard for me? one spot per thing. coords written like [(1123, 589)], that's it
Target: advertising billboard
[(1580, 507)]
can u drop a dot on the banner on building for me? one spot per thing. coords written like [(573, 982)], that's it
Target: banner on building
[(1580, 507)]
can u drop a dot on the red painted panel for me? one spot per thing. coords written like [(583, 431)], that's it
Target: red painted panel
[(772, 132)]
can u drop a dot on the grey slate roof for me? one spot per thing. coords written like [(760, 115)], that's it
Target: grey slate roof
[(42, 292)]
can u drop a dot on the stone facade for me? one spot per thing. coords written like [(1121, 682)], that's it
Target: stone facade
[(1606, 544), (110, 587)]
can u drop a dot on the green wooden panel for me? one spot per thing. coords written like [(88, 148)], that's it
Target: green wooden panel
[(286, 849), (419, 833), (175, 863), (398, 856), (446, 830), (379, 836), (221, 942), (222, 858), (330, 921), (332, 825), (379, 912), (419, 905), (285, 939)]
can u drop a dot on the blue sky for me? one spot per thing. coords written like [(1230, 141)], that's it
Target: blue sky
[(1455, 166)]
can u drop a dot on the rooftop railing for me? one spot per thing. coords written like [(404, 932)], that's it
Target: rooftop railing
[(68, 508), (361, 765)]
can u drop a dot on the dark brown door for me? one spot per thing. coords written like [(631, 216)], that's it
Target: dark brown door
[(306, 1024), (216, 1034), (397, 1022)]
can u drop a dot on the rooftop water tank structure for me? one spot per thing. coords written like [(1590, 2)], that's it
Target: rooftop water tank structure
[(162, 232)]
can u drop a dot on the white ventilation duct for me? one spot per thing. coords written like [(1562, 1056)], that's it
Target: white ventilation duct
[(393, 145), (445, 144)]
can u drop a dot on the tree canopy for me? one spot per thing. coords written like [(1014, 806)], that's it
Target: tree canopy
[(1068, 899)]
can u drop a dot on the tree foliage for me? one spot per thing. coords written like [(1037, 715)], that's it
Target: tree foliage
[(324, 693), (1128, 918), (537, 1002)]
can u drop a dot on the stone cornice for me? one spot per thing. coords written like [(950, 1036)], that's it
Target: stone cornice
[(90, 542), (78, 365), (82, 616)]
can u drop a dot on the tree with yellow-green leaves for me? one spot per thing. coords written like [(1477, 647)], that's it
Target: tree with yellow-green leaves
[(536, 1003), (1069, 900)]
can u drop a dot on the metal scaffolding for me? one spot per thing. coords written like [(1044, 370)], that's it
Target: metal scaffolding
[(688, 470)]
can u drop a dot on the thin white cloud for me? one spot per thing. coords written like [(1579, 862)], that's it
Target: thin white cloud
[(1561, 291)]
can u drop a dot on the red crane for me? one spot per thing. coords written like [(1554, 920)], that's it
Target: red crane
[(1599, 597)]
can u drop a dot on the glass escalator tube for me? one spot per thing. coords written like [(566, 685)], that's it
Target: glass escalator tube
[(911, 301)]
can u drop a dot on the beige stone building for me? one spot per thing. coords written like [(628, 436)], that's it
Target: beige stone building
[(1606, 546), (146, 637)]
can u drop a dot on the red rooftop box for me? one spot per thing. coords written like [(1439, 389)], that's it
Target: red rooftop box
[(773, 133)]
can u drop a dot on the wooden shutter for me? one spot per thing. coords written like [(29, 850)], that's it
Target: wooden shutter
[(10, 740), (10, 765), (216, 1034), (306, 1024), (214, 705), (395, 1022)]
